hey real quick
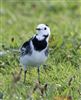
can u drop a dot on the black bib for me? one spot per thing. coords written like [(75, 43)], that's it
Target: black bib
[(39, 45)]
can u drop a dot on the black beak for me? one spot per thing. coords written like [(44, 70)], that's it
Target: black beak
[(38, 29)]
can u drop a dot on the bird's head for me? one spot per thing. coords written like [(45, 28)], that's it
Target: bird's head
[(43, 32)]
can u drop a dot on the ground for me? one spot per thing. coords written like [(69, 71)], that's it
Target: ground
[(62, 71)]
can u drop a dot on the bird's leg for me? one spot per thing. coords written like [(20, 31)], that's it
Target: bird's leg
[(38, 70), (20, 70), (25, 75)]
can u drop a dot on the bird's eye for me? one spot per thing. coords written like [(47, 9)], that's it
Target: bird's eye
[(45, 28)]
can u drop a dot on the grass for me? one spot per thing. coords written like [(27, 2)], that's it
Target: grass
[(63, 71)]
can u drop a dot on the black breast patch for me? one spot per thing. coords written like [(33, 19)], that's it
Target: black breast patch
[(39, 45)]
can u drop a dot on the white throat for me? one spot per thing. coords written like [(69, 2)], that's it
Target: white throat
[(39, 37)]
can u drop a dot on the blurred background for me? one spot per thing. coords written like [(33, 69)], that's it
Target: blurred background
[(18, 20)]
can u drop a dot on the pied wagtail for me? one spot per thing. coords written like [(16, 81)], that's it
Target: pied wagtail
[(34, 52)]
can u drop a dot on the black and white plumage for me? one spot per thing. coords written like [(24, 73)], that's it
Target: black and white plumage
[(35, 51)]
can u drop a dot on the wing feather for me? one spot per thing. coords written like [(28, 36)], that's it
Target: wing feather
[(26, 48)]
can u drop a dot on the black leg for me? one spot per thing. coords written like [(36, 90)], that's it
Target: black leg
[(25, 75), (21, 69), (38, 70)]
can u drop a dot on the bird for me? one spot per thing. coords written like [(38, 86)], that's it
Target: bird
[(34, 52)]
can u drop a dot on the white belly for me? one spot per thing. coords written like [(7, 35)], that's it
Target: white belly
[(37, 58)]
